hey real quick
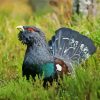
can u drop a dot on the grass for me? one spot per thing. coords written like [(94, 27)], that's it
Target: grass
[(85, 85)]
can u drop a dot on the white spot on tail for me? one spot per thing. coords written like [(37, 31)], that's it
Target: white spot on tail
[(66, 38), (65, 51), (59, 68)]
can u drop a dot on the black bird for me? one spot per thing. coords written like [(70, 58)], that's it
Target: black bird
[(66, 49)]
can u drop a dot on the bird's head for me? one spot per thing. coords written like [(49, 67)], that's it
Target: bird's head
[(28, 34)]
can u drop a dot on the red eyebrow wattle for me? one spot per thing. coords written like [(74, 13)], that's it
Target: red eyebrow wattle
[(30, 29)]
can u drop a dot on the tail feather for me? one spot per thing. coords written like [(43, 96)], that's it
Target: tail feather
[(71, 46)]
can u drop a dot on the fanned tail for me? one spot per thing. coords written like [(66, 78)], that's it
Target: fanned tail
[(70, 46)]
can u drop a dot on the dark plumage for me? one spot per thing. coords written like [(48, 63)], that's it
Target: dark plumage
[(66, 49)]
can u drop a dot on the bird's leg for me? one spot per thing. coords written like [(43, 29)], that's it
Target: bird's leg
[(27, 77), (45, 84), (46, 80), (33, 76)]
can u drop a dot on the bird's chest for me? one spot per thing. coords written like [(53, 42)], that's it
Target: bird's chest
[(37, 56), (48, 69)]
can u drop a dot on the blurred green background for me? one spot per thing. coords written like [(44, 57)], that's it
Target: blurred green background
[(48, 15)]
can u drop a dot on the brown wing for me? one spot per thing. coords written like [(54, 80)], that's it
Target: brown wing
[(64, 67)]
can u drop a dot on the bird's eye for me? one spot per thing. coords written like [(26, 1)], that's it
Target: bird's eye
[(30, 29)]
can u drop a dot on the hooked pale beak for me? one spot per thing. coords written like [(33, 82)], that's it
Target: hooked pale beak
[(20, 28)]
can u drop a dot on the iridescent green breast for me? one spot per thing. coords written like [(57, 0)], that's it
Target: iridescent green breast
[(48, 69)]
